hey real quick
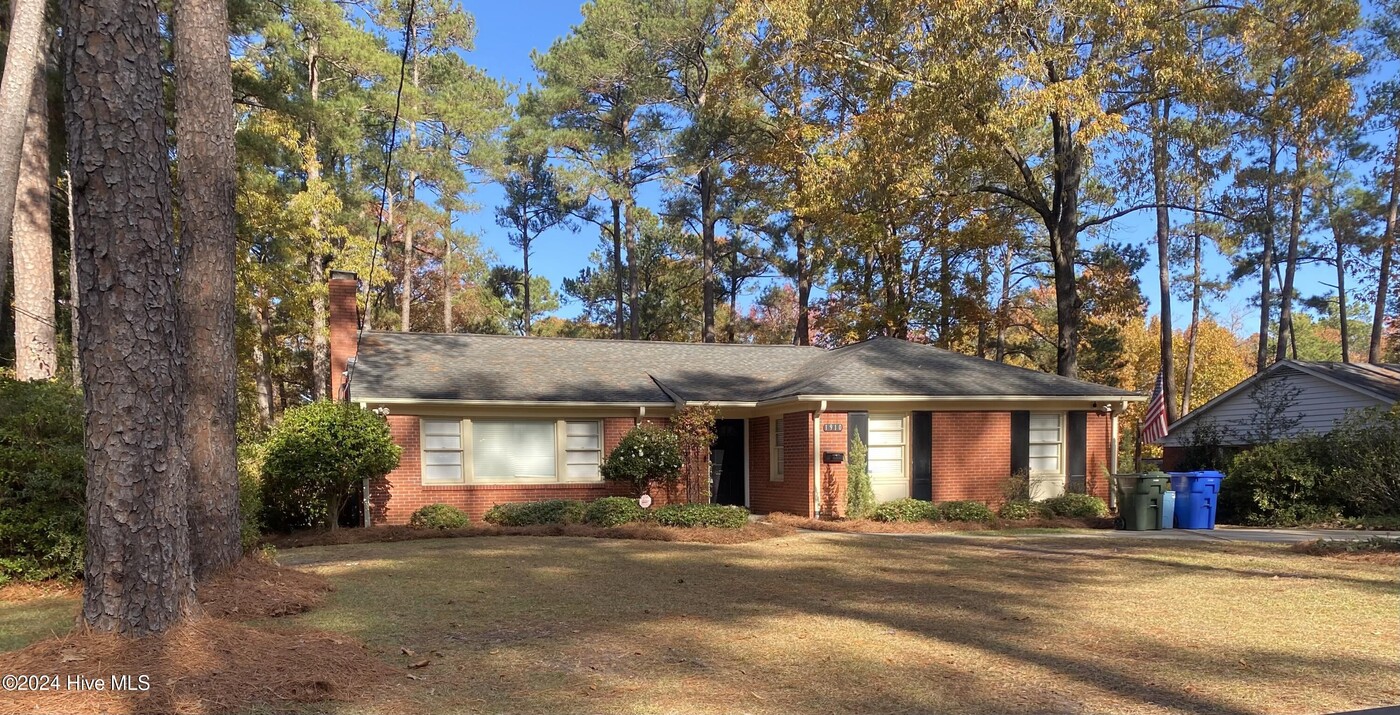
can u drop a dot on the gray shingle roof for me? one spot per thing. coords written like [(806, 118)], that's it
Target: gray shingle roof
[(432, 366), (1382, 379)]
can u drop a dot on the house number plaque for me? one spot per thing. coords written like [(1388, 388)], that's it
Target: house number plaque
[(833, 427)]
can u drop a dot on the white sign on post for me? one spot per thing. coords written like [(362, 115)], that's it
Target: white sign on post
[(645, 501)]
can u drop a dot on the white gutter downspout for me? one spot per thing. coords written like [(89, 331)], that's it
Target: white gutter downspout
[(1113, 453), (365, 519), (817, 460), (641, 414)]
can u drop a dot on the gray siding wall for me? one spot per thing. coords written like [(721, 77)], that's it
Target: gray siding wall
[(1319, 404)]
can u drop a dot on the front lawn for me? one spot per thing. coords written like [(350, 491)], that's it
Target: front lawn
[(839, 623)]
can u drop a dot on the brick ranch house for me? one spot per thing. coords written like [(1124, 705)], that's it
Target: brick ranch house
[(485, 419)]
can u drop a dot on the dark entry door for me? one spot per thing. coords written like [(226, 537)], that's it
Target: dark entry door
[(727, 463)]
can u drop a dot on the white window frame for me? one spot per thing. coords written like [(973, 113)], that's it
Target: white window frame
[(467, 466), (463, 452), (1060, 470), (775, 428), (562, 434)]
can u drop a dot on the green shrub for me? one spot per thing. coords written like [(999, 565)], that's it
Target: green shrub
[(317, 455), (1278, 484), (531, 513), (860, 496), (1364, 456), (1018, 509), (906, 510), (965, 511), (1075, 506), (613, 511), (716, 515), (42, 482), (439, 516), (250, 503), (646, 455)]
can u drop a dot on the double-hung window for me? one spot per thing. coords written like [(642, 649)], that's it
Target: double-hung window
[(442, 452), (583, 450), (1046, 438)]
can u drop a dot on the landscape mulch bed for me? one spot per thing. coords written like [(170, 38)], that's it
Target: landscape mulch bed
[(755, 531), (204, 665), (1374, 550), (870, 526), (209, 663)]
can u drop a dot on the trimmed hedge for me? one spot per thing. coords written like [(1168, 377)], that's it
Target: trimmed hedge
[(715, 515), (965, 511), (613, 511), (530, 513), (906, 510), (1019, 509), (1076, 506), (439, 516)]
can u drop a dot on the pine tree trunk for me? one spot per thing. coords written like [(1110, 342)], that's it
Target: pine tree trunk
[(1295, 232), (1339, 241), (315, 260), (634, 315), (525, 289), (1004, 304), (1064, 248), (208, 258), (1387, 255), (803, 334), (137, 578), (1266, 261), (705, 183), (447, 278), (16, 87), (410, 210), (617, 265), (36, 335), (74, 322), (1195, 314), (1160, 160), (262, 371)]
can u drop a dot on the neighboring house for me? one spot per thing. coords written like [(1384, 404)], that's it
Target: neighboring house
[(486, 419), (1288, 399)]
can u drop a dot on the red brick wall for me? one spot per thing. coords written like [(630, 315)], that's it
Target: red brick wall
[(793, 495), (402, 492), (833, 491), (971, 455), (344, 324)]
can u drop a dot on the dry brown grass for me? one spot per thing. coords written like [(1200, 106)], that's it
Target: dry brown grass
[(756, 531), (205, 665), (870, 526)]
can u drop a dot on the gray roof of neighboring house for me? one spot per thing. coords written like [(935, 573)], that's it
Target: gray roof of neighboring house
[(435, 366)]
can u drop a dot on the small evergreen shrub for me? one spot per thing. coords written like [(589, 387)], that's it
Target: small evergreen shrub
[(317, 455), (1019, 509), (250, 502), (860, 496), (1075, 506), (613, 511), (965, 511), (439, 516), (532, 513), (647, 454), (715, 515), (1278, 484), (906, 510)]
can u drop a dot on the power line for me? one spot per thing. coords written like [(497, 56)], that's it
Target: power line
[(371, 300)]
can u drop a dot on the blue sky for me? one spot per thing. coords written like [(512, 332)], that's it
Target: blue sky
[(507, 32)]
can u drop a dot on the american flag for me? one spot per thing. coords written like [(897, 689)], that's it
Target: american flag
[(1154, 425)]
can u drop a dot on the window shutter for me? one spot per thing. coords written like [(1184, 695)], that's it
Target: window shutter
[(1020, 442), (1076, 446), (921, 457)]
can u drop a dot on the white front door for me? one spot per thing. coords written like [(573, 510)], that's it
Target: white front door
[(1047, 477), (889, 478)]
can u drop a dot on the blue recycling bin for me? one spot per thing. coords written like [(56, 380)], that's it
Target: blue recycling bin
[(1196, 497), (1168, 509)]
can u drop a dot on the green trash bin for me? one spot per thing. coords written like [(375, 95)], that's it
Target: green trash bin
[(1140, 500)]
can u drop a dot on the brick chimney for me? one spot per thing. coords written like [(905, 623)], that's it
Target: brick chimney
[(344, 325)]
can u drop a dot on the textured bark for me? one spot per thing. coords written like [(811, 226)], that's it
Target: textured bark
[(447, 277), (26, 38), (1064, 247), (1286, 339), (1161, 115), (1266, 259), (315, 262), (634, 315), (803, 333), (410, 211), (617, 266), (137, 577), (74, 322), (36, 336), (207, 181), (262, 371), (525, 272), (1387, 255), (706, 183)]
